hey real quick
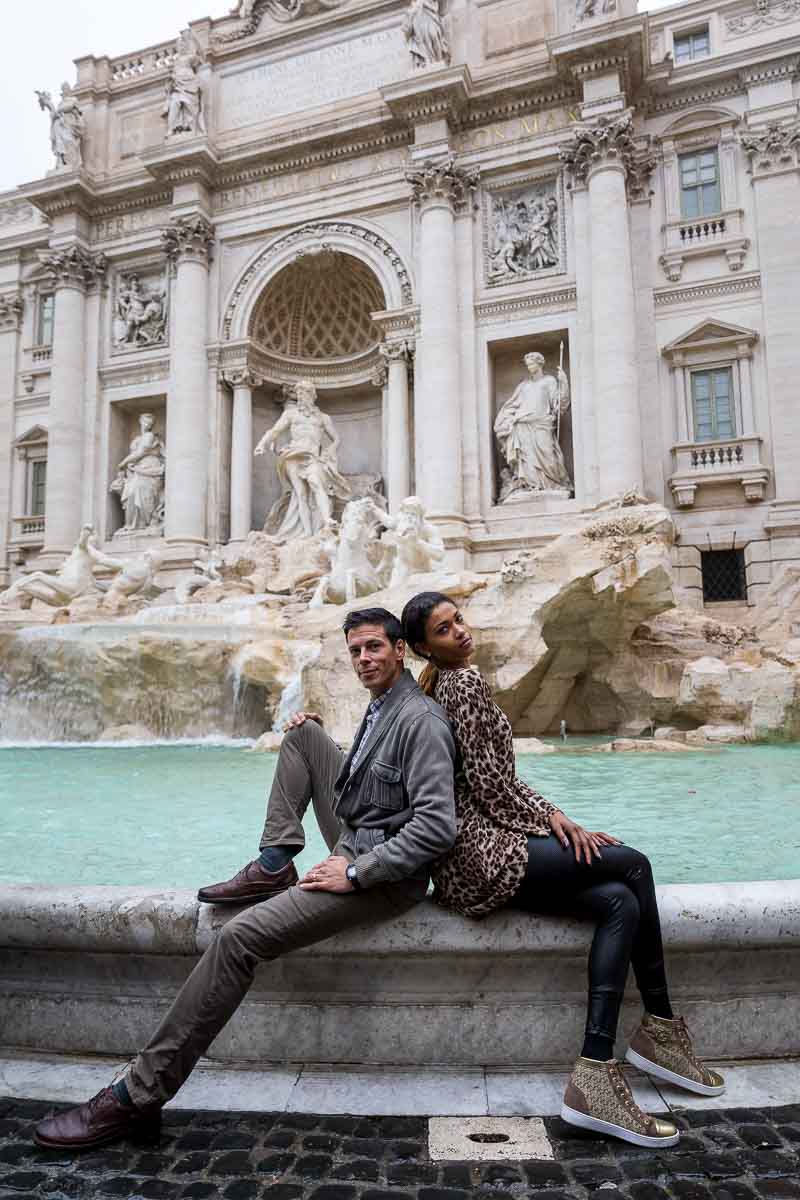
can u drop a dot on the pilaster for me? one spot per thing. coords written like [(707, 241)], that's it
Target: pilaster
[(11, 310), (774, 153)]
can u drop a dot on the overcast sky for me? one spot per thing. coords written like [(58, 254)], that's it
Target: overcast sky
[(42, 37)]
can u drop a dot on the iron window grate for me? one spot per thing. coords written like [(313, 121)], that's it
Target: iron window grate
[(723, 575)]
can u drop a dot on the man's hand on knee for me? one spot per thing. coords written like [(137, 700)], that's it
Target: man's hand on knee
[(328, 876), (300, 718)]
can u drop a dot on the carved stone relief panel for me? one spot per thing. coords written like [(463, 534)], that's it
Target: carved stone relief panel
[(523, 229), (140, 312)]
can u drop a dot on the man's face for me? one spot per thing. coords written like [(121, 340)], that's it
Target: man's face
[(377, 663)]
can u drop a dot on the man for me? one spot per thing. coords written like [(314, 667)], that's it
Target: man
[(386, 811)]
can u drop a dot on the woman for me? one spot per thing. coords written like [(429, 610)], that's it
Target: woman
[(515, 848)]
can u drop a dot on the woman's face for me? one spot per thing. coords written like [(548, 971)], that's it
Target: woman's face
[(448, 640)]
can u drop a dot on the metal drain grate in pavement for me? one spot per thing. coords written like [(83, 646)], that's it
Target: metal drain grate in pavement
[(480, 1139)]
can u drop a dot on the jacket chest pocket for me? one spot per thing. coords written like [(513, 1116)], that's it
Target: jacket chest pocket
[(387, 786)]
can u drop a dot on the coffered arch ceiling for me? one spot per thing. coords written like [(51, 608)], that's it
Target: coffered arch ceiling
[(319, 308)]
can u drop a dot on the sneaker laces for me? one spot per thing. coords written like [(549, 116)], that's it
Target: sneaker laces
[(678, 1031), (625, 1095)]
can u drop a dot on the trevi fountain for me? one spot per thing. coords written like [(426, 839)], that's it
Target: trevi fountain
[(272, 351)]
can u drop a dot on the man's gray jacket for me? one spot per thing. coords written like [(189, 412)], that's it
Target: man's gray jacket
[(398, 807)]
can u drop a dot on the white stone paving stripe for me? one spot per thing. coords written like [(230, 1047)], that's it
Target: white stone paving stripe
[(381, 1092), (482, 1139)]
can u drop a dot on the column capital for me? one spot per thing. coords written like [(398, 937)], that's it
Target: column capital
[(188, 239), (11, 306), (74, 267), (380, 375), (237, 377), (774, 148), (607, 142), (395, 351), (442, 182)]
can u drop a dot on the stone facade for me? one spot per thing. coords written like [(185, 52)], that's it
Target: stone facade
[(319, 200)]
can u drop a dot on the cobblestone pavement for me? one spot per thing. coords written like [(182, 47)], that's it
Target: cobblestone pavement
[(738, 1154)]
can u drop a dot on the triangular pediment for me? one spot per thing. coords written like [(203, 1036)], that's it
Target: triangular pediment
[(709, 333), (32, 437)]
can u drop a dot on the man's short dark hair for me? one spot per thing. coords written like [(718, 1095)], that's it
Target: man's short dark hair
[(374, 616)]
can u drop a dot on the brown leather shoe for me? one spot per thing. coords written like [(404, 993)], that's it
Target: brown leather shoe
[(101, 1120), (251, 884)]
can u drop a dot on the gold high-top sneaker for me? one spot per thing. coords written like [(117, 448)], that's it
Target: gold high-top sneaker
[(664, 1048), (598, 1098)]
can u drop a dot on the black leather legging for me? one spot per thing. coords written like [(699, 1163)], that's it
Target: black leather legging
[(616, 892)]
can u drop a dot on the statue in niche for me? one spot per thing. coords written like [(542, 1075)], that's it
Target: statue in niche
[(412, 545), (423, 29), (183, 107), (74, 578), (585, 9), (353, 571), (528, 427), (140, 481), (140, 317), (307, 466), (66, 128), (524, 233)]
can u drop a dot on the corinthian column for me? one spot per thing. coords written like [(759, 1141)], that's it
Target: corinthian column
[(440, 189), (73, 272), (398, 425), (242, 381), (774, 152), (599, 158), (187, 243)]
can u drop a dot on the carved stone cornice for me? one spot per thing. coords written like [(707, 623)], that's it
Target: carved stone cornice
[(664, 297), (442, 182), (11, 306), (75, 267), (236, 377), (772, 149), (189, 239), (513, 307), (609, 141), (435, 92)]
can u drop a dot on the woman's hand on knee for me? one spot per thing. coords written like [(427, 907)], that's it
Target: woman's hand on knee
[(585, 844)]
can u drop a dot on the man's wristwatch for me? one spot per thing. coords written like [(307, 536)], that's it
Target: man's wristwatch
[(352, 875)]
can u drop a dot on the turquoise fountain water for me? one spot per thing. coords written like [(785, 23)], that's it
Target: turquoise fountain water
[(181, 816)]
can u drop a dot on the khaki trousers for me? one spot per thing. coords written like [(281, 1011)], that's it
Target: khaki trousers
[(308, 764)]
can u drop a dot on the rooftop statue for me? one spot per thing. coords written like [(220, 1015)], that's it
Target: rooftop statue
[(305, 442), (281, 10), (425, 35), (140, 480), (66, 128), (183, 107), (527, 429)]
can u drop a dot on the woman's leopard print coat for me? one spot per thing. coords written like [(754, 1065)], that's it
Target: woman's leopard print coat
[(496, 812)]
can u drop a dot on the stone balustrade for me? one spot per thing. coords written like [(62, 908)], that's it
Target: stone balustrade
[(86, 970), (725, 460), (685, 239)]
